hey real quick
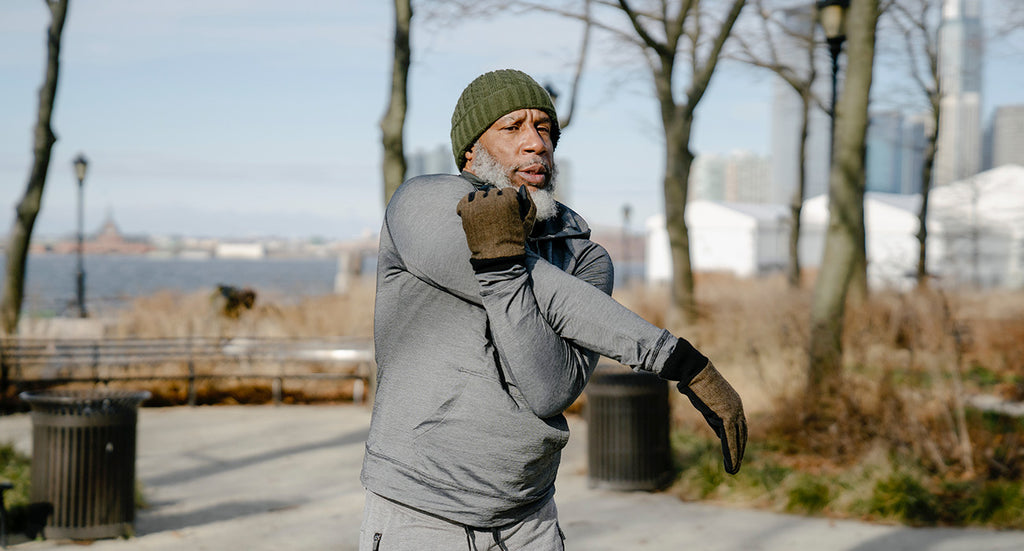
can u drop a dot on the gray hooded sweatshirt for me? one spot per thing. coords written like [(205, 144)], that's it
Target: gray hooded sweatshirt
[(475, 370)]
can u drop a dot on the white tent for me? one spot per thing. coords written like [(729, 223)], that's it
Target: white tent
[(738, 238), (982, 236), (890, 227)]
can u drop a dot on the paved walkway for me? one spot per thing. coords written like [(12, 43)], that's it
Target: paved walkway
[(273, 478)]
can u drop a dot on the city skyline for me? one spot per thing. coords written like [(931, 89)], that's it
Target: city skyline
[(224, 119)]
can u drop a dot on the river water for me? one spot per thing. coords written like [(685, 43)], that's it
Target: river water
[(113, 280)]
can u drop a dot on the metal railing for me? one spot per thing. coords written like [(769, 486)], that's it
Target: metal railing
[(33, 363)]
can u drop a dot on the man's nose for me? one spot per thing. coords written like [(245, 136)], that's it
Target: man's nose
[(533, 142)]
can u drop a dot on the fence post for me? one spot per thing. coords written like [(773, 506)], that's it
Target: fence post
[(5, 374), (276, 390), (95, 348), (191, 372)]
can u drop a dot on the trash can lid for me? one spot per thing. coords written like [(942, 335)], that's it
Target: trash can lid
[(84, 402), (620, 376)]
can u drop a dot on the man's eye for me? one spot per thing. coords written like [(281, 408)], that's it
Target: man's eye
[(544, 129), (511, 128)]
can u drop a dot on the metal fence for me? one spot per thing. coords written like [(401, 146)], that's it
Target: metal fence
[(29, 364)]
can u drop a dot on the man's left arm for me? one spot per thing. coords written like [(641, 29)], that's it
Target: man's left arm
[(557, 385), (527, 300), (549, 370)]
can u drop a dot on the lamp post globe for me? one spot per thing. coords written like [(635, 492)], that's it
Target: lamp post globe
[(81, 165), (832, 18)]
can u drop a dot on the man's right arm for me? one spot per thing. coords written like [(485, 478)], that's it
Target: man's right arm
[(428, 236), (429, 239)]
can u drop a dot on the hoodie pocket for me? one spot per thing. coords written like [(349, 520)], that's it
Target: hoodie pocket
[(447, 396)]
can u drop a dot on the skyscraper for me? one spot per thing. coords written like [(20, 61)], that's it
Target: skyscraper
[(707, 178), (1008, 136), (960, 57), (438, 160), (748, 178), (785, 124), (739, 177), (885, 152)]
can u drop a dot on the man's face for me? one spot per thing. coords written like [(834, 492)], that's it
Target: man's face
[(521, 143)]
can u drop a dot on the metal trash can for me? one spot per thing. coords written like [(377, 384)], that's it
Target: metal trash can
[(83, 460), (628, 430)]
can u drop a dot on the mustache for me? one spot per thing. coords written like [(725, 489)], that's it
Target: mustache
[(534, 161)]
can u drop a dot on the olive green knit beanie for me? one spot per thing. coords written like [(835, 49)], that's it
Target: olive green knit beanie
[(491, 96)]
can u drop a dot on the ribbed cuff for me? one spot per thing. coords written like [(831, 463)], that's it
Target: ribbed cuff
[(683, 364), (483, 265)]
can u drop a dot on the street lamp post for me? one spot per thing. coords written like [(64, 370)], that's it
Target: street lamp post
[(80, 164), (626, 210), (832, 17)]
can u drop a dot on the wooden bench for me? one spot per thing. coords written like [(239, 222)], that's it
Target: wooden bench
[(40, 363)]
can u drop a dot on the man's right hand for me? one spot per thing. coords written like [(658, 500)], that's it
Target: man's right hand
[(722, 408), (496, 222)]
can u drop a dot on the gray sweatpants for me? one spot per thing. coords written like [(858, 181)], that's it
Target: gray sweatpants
[(389, 526)]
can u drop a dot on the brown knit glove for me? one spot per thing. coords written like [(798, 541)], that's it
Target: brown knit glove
[(723, 410), (497, 222)]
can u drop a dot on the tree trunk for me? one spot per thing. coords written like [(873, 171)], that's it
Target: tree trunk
[(926, 187), (678, 158), (858, 293), (28, 208), (844, 237), (796, 204), (392, 125)]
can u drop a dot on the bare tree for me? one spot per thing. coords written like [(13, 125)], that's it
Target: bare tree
[(392, 125), (31, 202), (1008, 16), (844, 238), (918, 22), (782, 41), (663, 33)]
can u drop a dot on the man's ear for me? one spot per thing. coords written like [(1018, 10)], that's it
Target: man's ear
[(469, 158)]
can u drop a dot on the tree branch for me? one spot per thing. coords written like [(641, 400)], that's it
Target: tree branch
[(594, 23), (563, 123), (651, 43), (702, 76)]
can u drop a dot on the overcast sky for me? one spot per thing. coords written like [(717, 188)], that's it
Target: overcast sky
[(259, 117)]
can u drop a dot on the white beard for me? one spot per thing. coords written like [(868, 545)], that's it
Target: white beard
[(488, 169)]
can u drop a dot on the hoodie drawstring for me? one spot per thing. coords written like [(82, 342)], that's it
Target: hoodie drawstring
[(470, 539), (497, 540)]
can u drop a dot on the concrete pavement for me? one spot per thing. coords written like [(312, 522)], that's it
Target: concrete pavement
[(273, 478)]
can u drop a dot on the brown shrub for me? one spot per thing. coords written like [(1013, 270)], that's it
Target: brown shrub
[(911, 359)]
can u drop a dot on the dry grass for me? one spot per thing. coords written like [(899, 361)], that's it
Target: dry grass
[(898, 427), (171, 314)]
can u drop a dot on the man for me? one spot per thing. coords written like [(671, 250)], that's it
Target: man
[(492, 307)]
